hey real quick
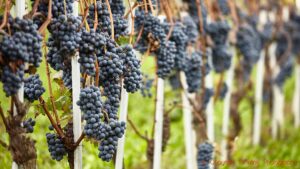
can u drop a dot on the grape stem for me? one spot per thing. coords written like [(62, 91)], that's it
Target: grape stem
[(3, 144), (111, 20), (55, 126), (199, 11), (48, 20), (217, 94), (34, 8), (85, 14), (96, 16), (3, 118), (139, 36), (97, 73), (50, 87), (79, 140), (6, 12), (136, 130), (131, 8), (151, 6)]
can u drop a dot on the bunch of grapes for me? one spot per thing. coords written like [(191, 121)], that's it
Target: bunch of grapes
[(120, 23), (248, 43), (180, 39), (110, 66), (12, 79), (266, 33), (286, 71), (56, 146), (33, 88), (109, 144), (112, 92), (223, 91), (58, 8), (223, 5), (205, 155), (146, 86), (102, 15), (221, 58), (165, 59), (153, 31), (190, 29), (131, 70), (91, 105), (193, 72), (67, 77), (174, 81), (193, 11), (24, 44), (209, 92), (218, 31), (91, 45), (65, 31), (28, 125)]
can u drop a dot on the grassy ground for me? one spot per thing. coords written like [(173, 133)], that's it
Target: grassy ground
[(141, 111)]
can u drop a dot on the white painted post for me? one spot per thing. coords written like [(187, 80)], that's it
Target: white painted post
[(258, 99), (159, 117), (123, 115), (210, 110), (158, 124), (19, 12), (190, 143), (259, 88), (296, 100), (226, 111), (278, 97), (75, 97)]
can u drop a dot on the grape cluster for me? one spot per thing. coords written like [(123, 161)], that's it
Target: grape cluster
[(120, 24), (205, 155), (224, 90), (131, 70), (12, 79), (285, 72), (174, 81), (91, 105), (110, 66), (223, 5), (109, 144), (221, 58), (248, 43), (165, 59), (153, 31), (102, 15), (193, 72), (65, 31), (146, 86), (209, 92), (112, 92), (58, 8), (179, 37), (193, 11), (191, 29), (266, 33), (218, 31), (67, 77), (28, 125), (24, 44), (33, 88), (90, 46), (221, 54), (56, 146)]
